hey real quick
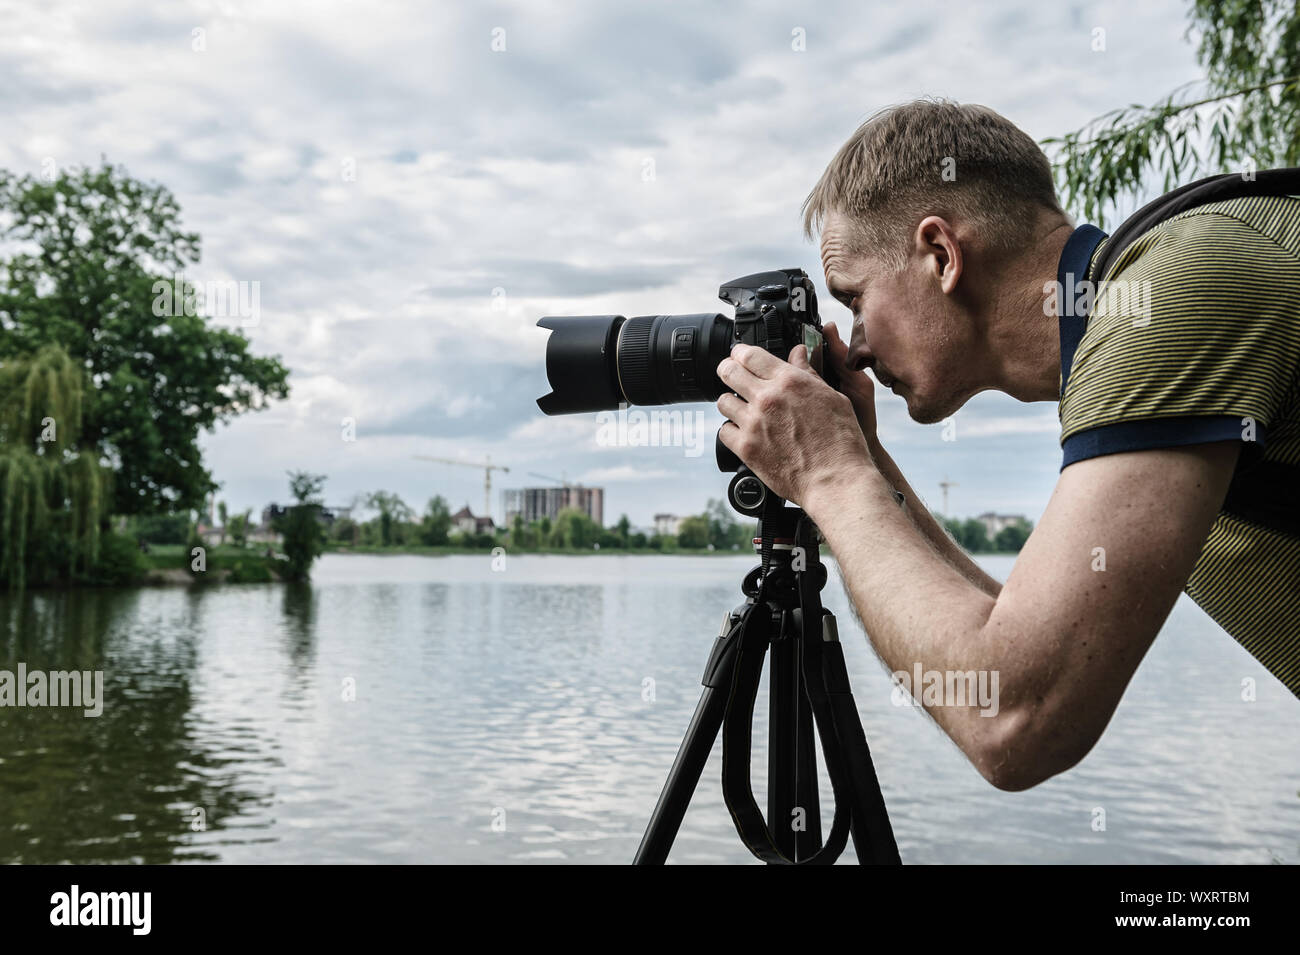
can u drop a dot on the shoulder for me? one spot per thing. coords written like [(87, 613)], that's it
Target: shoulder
[(1199, 318)]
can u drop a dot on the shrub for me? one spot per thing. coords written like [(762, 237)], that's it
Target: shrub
[(249, 572), (120, 562)]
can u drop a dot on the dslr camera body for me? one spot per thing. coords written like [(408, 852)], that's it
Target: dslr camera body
[(597, 362)]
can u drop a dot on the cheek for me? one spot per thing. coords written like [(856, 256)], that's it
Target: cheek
[(887, 333)]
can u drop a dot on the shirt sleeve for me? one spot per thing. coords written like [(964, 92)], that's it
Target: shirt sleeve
[(1194, 338)]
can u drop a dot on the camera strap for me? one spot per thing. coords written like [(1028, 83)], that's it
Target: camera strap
[(859, 806), (1261, 492), (755, 634)]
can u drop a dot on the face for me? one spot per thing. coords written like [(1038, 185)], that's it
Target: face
[(906, 328)]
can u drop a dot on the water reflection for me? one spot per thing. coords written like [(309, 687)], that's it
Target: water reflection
[(417, 709), (121, 786)]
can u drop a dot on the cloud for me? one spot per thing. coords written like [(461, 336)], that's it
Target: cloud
[(412, 200)]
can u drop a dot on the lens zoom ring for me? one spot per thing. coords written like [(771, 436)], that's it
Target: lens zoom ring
[(634, 360)]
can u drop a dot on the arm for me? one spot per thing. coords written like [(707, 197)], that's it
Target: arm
[(1064, 637), (861, 392), (927, 526)]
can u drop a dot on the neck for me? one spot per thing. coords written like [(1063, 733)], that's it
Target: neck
[(1024, 341)]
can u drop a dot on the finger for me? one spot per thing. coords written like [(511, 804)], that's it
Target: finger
[(760, 362), (728, 434), (835, 345), (737, 377), (799, 357), (734, 409)]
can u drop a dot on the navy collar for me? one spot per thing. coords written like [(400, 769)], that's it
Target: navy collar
[(1071, 304)]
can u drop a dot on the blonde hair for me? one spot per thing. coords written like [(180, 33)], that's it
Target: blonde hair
[(934, 157)]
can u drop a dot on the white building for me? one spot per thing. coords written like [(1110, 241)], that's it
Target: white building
[(667, 525), (994, 523)]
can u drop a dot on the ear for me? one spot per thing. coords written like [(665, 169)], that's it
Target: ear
[(937, 242)]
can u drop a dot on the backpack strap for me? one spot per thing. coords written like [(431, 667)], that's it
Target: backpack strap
[(1268, 182), (1263, 493)]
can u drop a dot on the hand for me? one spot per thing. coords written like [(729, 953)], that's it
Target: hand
[(857, 385), (799, 435)]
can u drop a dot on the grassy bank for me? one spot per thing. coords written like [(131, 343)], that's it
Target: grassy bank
[(222, 562), (447, 549)]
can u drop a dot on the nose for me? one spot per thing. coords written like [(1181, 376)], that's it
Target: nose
[(859, 357)]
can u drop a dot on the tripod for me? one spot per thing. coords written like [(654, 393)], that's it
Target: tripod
[(808, 684)]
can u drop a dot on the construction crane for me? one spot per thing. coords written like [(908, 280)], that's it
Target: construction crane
[(547, 477), (487, 466), (945, 484)]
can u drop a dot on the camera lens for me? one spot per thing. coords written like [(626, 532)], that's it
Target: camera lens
[(595, 362)]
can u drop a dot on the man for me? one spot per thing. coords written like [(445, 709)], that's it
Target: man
[(942, 233)]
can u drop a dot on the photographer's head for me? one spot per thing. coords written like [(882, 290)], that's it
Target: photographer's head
[(932, 218)]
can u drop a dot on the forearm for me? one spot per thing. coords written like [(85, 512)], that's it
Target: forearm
[(931, 529), (916, 607)]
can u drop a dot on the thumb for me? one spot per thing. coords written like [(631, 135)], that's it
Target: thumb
[(799, 357)]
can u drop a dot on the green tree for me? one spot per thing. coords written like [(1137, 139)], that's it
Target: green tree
[(573, 529), (53, 491), (1012, 537), (523, 536), (300, 525), (1244, 114), (970, 534), (722, 524), (435, 525), (94, 256), (162, 528), (239, 528), (224, 515), (694, 532), (393, 511), (624, 530)]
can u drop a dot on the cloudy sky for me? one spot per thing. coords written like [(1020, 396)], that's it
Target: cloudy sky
[(413, 185)]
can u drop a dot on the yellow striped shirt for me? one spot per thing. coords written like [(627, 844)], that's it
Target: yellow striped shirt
[(1194, 336)]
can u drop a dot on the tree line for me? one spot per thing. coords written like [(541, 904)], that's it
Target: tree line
[(974, 538), (396, 525)]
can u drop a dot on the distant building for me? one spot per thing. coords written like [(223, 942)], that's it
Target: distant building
[(465, 522), (534, 503), (668, 525), (994, 523)]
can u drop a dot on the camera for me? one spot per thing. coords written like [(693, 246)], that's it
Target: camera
[(598, 362)]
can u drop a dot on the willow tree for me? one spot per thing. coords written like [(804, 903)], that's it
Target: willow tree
[(1243, 116), (52, 494), (93, 260)]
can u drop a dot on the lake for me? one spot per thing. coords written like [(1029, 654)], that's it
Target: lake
[(432, 709)]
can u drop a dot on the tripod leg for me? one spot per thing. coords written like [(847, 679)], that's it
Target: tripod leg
[(694, 751), (683, 778), (782, 743), (873, 836), (809, 837), (792, 753)]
